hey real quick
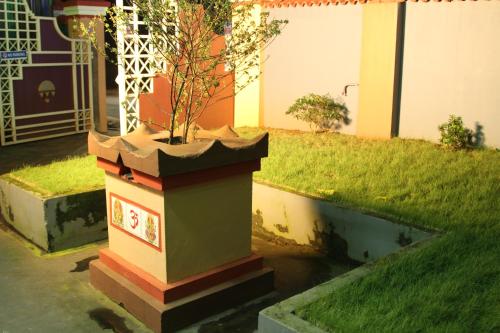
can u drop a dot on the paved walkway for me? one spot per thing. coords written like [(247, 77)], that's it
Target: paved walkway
[(41, 152), (51, 293)]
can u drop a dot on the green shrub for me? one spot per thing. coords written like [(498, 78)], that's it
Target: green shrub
[(320, 112), (454, 134)]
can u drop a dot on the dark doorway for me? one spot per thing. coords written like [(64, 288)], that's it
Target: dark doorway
[(111, 67)]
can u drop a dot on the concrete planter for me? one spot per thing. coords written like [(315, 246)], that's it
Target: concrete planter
[(54, 223), (180, 227)]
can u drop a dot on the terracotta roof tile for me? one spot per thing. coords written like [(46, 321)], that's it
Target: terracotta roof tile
[(304, 3), (142, 150)]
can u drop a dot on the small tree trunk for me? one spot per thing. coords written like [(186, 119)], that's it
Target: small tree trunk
[(172, 125), (186, 131), (187, 121), (176, 105)]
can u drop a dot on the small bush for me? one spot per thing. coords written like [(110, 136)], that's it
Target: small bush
[(454, 134), (321, 112)]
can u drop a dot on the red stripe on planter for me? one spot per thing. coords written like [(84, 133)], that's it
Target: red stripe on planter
[(196, 177), (148, 180), (111, 167), (201, 176), (134, 274), (169, 292)]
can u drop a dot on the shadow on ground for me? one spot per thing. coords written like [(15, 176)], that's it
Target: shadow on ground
[(297, 268), (108, 320), (41, 152)]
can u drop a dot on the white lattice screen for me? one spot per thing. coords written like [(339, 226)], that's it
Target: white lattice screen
[(136, 67)]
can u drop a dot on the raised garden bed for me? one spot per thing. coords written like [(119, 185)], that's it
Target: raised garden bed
[(56, 206), (344, 234), (455, 284), (288, 316)]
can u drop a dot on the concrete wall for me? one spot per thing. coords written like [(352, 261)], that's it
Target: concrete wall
[(76, 219), (318, 52), (343, 233), (247, 100), (23, 210), (55, 223), (451, 66)]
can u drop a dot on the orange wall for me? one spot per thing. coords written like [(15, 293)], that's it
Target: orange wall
[(156, 106)]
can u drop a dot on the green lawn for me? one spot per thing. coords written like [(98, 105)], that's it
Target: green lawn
[(61, 177), (454, 284)]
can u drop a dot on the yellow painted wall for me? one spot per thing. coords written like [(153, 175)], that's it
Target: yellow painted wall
[(246, 101), (129, 248), (207, 225), (378, 54)]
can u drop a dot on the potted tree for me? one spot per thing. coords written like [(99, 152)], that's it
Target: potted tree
[(179, 216), (186, 38)]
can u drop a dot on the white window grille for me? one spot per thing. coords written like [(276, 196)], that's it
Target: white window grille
[(136, 66)]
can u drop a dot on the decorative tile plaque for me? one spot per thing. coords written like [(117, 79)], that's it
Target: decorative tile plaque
[(136, 220)]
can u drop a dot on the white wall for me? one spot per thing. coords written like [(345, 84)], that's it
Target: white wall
[(318, 52), (451, 66)]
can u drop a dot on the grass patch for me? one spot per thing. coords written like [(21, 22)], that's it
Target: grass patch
[(68, 176), (452, 285)]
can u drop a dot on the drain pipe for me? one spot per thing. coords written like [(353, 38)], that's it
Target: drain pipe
[(398, 70), (344, 92)]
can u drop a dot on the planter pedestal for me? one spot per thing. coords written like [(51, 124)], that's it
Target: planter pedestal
[(179, 224), (170, 316)]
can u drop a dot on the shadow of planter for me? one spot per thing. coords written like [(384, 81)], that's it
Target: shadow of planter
[(341, 233)]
